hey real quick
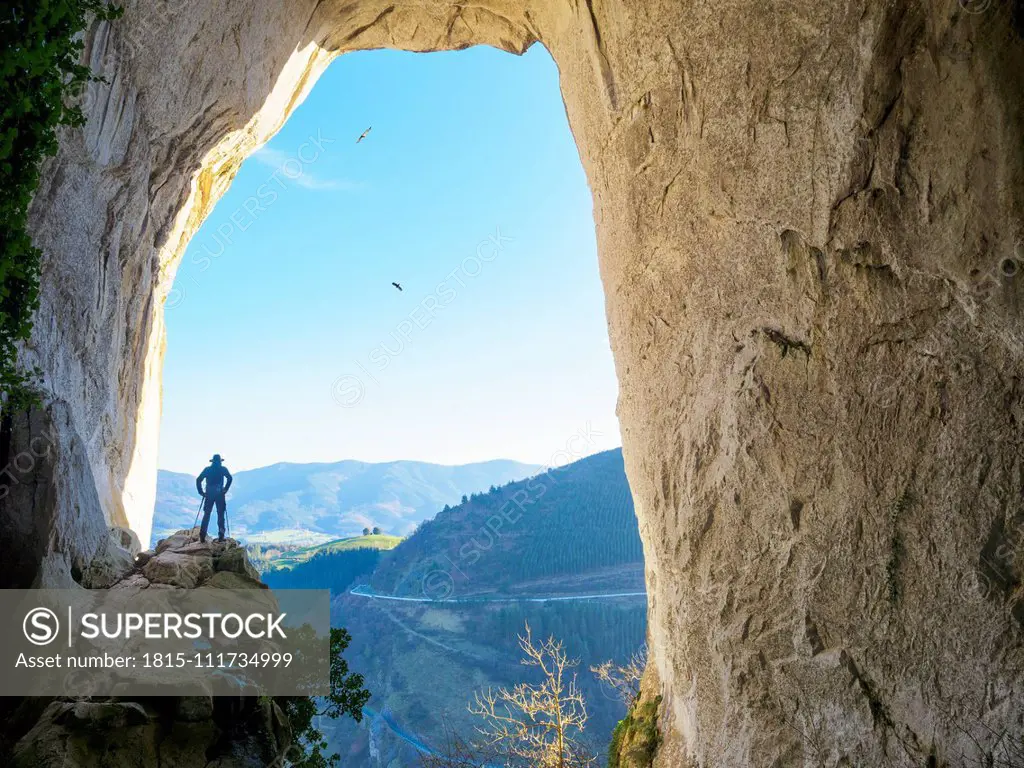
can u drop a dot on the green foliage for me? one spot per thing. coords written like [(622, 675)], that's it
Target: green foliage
[(333, 570), (290, 558), (40, 49), (347, 697), (636, 738)]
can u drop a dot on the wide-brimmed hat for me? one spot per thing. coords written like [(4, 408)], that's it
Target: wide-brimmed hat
[(216, 458)]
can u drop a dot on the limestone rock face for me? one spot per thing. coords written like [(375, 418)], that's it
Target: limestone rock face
[(810, 218), (113, 560), (127, 539), (52, 523)]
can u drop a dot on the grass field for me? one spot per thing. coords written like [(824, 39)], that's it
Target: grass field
[(293, 557)]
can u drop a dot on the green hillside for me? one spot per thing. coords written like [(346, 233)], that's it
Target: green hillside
[(576, 519), (333, 565), (290, 558)]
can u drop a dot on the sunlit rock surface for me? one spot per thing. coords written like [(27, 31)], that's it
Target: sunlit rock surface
[(810, 220)]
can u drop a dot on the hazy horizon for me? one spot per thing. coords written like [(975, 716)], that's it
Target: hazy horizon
[(389, 461)]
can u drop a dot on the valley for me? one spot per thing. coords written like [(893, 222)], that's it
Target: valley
[(435, 616)]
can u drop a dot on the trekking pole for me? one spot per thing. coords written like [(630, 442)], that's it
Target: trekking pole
[(196, 521)]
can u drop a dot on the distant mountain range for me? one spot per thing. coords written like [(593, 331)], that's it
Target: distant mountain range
[(313, 503)]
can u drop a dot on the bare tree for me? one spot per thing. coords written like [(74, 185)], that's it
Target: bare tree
[(624, 679), (537, 725), (459, 753)]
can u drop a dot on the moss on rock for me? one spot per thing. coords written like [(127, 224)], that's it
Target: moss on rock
[(636, 738)]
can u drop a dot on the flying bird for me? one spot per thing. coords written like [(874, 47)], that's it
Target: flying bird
[(363, 134), (397, 286)]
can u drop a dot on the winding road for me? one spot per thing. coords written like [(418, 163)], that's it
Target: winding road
[(363, 590)]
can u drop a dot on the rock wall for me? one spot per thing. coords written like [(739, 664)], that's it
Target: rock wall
[(810, 225), (156, 732)]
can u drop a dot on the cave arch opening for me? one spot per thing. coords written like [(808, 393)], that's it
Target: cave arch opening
[(428, 281), (408, 270)]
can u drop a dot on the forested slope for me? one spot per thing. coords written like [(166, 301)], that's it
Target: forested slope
[(567, 521)]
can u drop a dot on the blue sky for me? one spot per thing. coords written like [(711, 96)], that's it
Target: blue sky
[(286, 340)]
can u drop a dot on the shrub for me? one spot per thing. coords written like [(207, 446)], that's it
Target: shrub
[(636, 738)]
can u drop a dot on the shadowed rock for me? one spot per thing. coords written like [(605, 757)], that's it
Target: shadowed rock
[(168, 731)]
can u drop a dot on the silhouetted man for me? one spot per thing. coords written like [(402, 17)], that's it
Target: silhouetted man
[(218, 480)]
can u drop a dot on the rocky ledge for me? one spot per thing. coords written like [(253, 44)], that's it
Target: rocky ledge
[(181, 561), (163, 732)]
